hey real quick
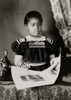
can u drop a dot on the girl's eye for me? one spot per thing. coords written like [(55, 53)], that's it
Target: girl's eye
[(32, 24), (39, 24)]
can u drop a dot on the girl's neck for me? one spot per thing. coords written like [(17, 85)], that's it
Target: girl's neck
[(33, 38)]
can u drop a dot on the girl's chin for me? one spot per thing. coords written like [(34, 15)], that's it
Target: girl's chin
[(35, 35)]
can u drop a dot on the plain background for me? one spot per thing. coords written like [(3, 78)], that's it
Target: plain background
[(12, 13)]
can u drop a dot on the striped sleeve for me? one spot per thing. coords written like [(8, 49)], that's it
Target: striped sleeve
[(17, 46)]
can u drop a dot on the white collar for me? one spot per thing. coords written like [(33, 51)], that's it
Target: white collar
[(31, 38)]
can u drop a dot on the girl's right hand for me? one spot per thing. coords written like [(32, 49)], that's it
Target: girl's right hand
[(25, 66)]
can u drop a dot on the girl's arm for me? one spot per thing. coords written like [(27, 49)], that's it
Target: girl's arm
[(18, 49), (18, 60)]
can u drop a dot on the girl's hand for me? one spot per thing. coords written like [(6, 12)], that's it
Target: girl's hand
[(52, 59), (25, 66)]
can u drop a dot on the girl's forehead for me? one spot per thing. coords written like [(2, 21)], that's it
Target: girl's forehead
[(34, 19)]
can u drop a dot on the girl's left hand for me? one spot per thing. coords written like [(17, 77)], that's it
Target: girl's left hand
[(52, 59)]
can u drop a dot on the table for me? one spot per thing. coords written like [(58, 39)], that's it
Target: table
[(61, 91)]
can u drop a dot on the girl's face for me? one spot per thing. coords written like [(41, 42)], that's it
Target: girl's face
[(34, 27)]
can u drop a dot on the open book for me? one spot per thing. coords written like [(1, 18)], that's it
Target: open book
[(24, 78)]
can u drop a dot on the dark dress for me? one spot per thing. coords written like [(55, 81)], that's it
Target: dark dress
[(36, 52)]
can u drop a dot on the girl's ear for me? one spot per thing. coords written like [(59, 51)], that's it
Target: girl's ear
[(26, 27)]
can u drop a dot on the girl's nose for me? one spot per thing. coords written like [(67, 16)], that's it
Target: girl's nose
[(36, 27)]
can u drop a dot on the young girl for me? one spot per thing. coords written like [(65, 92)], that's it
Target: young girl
[(35, 51)]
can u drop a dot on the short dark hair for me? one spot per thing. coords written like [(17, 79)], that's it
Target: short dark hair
[(32, 14)]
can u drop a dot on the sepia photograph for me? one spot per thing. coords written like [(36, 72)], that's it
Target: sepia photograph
[(35, 49)]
